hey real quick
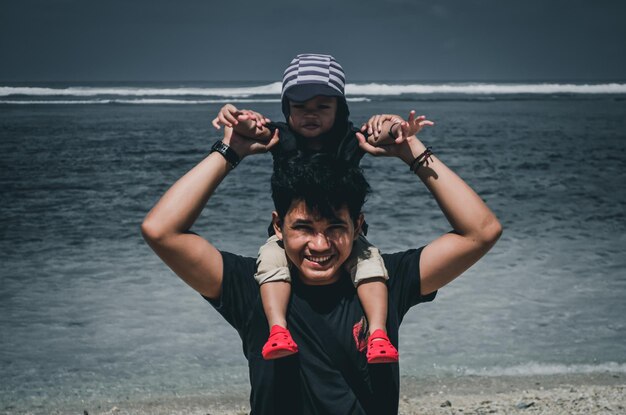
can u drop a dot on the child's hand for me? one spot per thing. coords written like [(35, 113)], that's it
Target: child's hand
[(249, 115), (374, 125), (413, 126), (230, 116), (385, 129), (245, 146), (247, 123), (227, 116)]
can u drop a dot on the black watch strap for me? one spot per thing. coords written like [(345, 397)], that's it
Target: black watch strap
[(229, 154)]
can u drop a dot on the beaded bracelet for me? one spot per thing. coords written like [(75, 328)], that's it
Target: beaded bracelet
[(421, 159)]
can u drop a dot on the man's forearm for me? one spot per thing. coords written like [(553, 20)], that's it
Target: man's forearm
[(476, 228), (166, 227), (465, 210), (181, 205)]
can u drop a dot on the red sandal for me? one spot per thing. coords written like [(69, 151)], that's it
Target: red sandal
[(279, 344), (380, 349)]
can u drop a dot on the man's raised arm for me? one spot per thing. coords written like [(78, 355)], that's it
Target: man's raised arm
[(475, 228), (167, 226)]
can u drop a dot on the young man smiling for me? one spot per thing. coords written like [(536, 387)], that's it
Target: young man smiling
[(318, 203)]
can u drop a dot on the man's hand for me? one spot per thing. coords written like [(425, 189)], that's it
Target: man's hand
[(406, 146), (374, 126), (402, 150), (384, 129), (245, 146), (230, 116), (248, 123)]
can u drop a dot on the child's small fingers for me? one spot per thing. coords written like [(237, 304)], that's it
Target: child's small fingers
[(374, 123), (230, 118), (399, 135), (223, 121), (370, 125), (215, 123), (405, 127), (411, 116), (381, 122)]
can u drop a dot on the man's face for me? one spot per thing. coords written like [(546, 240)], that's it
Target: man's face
[(313, 117), (318, 247)]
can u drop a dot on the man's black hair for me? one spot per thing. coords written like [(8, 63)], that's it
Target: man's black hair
[(322, 181)]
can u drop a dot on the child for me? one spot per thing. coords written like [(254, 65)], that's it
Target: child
[(316, 111)]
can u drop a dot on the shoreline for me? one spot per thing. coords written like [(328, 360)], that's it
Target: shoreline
[(595, 393)]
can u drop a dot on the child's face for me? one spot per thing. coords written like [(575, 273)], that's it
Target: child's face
[(313, 117)]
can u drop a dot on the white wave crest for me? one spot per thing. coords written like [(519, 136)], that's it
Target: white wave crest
[(370, 89), (535, 368), (155, 101), (135, 101), (269, 89), (480, 89)]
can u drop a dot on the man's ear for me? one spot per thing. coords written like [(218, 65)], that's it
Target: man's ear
[(358, 224), (277, 224)]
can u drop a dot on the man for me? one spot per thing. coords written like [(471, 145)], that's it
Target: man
[(318, 216)]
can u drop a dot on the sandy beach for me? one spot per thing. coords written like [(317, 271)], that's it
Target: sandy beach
[(602, 393), (558, 394)]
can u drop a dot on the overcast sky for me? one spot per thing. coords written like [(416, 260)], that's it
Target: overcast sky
[(182, 40)]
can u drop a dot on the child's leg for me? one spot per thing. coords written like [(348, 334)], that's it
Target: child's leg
[(373, 296), (369, 275), (274, 278), (275, 297)]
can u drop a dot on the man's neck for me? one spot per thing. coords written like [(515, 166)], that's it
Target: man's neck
[(311, 283)]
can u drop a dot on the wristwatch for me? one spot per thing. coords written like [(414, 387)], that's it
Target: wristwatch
[(228, 153)]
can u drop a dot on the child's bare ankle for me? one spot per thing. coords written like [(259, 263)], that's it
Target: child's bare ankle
[(279, 322), (372, 329)]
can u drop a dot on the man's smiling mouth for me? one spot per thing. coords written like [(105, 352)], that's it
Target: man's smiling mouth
[(320, 260)]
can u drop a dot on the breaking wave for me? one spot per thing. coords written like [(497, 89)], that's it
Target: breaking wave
[(273, 89), (155, 101)]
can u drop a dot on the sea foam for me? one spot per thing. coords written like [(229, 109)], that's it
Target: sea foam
[(367, 89), (153, 101)]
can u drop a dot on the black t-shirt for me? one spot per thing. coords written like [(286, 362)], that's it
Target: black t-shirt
[(309, 382)]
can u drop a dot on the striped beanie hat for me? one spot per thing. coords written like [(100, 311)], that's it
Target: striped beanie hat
[(312, 74)]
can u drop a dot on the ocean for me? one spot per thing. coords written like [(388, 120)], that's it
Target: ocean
[(89, 314)]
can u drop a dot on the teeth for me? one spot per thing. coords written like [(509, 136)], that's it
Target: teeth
[(318, 258)]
